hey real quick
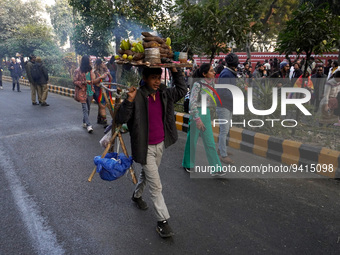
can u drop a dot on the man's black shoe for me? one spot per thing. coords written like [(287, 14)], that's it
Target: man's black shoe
[(163, 229), (189, 170), (35, 103), (141, 204), (45, 104)]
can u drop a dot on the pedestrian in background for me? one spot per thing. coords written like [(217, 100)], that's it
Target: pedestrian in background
[(319, 80), (225, 111), (335, 68), (328, 66), (111, 65), (1, 70), (102, 74), (329, 102), (200, 124), (80, 92), (16, 71), (33, 85), (42, 83)]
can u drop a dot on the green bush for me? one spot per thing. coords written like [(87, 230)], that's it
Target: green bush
[(61, 81)]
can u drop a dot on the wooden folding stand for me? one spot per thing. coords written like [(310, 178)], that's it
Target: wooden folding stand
[(115, 128)]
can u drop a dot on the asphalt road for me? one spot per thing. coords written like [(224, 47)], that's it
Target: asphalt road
[(48, 207)]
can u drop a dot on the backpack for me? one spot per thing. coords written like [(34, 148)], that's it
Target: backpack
[(36, 72)]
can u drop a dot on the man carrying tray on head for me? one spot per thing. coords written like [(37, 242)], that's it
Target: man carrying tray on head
[(149, 113)]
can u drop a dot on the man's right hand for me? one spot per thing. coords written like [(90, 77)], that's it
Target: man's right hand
[(132, 94)]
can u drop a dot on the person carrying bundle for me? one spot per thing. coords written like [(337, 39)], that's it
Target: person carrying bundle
[(149, 113)]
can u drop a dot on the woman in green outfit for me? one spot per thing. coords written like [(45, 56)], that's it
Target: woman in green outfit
[(200, 125)]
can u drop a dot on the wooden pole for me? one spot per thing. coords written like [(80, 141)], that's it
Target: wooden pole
[(116, 132), (132, 172)]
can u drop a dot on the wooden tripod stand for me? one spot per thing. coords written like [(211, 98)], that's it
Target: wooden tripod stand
[(115, 128)]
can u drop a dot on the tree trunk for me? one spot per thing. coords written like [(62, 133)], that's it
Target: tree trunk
[(248, 47), (213, 53)]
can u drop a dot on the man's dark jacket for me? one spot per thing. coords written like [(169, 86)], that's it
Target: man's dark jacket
[(28, 66), (227, 76), (44, 74), (136, 115), (16, 71)]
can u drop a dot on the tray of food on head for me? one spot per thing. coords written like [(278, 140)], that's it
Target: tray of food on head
[(152, 51)]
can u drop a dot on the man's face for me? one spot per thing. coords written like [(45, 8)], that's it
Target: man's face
[(296, 66), (261, 68), (286, 68), (13, 60), (153, 81), (320, 71)]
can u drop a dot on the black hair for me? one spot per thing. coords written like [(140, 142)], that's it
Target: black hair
[(85, 65), (149, 71), (219, 69), (204, 68), (335, 63), (98, 62)]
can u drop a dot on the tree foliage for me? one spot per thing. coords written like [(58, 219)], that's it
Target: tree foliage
[(61, 14), (114, 19), (208, 26), (270, 17), (312, 30), (13, 16)]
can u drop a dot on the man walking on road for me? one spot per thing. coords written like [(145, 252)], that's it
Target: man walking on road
[(16, 71), (1, 70), (42, 83), (227, 76), (33, 85), (148, 112)]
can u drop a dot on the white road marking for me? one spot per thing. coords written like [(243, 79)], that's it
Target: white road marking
[(43, 239)]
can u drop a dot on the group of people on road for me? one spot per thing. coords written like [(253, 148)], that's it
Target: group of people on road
[(87, 87), (37, 76), (148, 112)]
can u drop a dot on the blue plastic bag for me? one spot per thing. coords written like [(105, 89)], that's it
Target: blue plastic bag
[(112, 166)]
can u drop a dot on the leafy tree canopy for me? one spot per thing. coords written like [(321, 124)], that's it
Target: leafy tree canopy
[(312, 30), (62, 20)]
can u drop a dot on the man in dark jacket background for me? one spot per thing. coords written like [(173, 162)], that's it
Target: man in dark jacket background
[(33, 85), (1, 70), (225, 111), (149, 113), (16, 71), (319, 80), (42, 83)]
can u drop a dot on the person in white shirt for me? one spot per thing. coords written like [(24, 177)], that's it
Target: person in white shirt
[(335, 68)]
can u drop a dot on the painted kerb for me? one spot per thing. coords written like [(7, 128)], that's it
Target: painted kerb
[(284, 151)]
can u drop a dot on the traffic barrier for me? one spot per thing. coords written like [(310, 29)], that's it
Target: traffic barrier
[(285, 151), (51, 88)]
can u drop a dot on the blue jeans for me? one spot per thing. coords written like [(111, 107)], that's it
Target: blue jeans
[(86, 111), (225, 114)]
